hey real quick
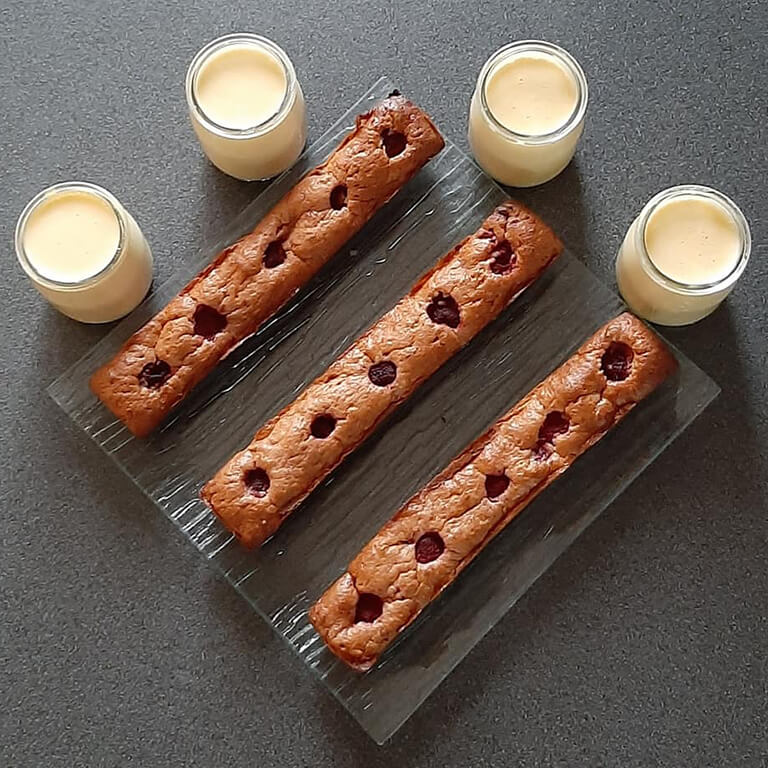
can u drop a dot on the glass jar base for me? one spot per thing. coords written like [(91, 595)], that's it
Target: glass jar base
[(668, 317), (234, 175)]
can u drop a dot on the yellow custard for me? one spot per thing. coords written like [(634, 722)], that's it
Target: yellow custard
[(241, 86), (71, 236), (532, 94)]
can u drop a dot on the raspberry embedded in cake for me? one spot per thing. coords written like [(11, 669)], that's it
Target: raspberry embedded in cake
[(394, 142), (338, 197), (322, 426), (556, 423), (155, 374), (429, 547), (617, 361), (502, 258), (543, 450), (444, 310), (275, 254), (257, 482), (208, 321), (495, 485), (369, 607), (382, 374)]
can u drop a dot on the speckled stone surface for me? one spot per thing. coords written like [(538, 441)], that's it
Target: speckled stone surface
[(645, 645)]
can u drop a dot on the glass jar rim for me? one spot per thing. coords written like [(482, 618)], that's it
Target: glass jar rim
[(258, 41), (52, 191), (563, 57), (725, 202)]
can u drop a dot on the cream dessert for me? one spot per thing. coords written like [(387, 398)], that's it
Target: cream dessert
[(246, 106), (527, 113), (531, 93), (240, 86), (682, 255), (84, 252), (71, 236)]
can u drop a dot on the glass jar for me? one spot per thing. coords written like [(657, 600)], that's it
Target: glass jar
[(526, 159), (274, 141), (691, 293), (84, 252)]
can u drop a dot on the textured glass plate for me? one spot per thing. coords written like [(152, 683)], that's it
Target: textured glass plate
[(446, 201)]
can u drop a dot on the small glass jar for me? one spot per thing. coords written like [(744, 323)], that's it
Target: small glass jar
[(89, 258), (670, 300), (272, 144), (521, 159)]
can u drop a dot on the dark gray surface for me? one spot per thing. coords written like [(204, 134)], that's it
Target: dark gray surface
[(644, 645)]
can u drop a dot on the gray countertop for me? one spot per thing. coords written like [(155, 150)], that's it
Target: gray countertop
[(644, 645)]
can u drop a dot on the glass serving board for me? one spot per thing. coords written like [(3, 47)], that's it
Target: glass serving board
[(446, 201)]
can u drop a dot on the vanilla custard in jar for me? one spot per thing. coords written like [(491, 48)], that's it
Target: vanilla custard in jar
[(84, 252), (246, 106), (527, 112), (682, 255)]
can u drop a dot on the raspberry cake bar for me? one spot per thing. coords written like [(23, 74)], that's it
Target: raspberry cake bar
[(251, 279), (261, 485), (420, 552)]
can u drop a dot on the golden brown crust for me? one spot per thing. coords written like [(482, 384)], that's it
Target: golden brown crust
[(406, 336), (240, 288), (456, 505)]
